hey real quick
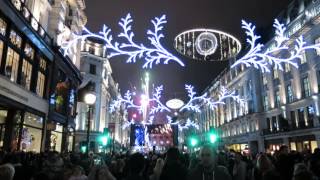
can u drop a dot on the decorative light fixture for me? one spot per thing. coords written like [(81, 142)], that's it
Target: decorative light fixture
[(207, 44), (174, 103)]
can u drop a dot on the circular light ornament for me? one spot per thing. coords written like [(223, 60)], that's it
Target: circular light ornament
[(175, 103), (207, 45)]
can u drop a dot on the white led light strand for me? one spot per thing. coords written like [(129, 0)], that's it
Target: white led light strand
[(223, 95), (261, 60), (127, 100), (156, 98), (152, 55), (195, 101), (188, 124)]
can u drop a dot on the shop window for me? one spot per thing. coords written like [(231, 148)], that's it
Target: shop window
[(26, 74), (1, 51), (31, 133), (15, 39), (56, 138), (12, 64), (29, 51), (3, 27)]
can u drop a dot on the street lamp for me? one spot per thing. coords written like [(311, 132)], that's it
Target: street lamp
[(90, 99)]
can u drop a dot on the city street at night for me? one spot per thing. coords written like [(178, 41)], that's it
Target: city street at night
[(159, 90)]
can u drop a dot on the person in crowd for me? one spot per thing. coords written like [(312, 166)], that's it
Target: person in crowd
[(314, 162), (208, 169), (263, 165), (239, 171), (7, 172), (53, 166), (136, 167), (78, 173), (285, 163), (100, 172), (301, 172), (173, 168)]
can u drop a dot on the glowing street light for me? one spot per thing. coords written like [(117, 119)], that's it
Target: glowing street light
[(144, 100)]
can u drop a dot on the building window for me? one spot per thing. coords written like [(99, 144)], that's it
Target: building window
[(293, 118), (289, 93), (41, 77), (264, 79), (12, 64), (15, 39), (277, 98), (301, 121), (303, 59), (40, 84), (1, 51), (317, 41), (275, 73), (59, 98), (265, 103), (26, 74), (92, 69), (3, 27), (306, 87), (29, 51), (287, 67)]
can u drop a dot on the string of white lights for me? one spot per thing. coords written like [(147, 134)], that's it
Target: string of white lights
[(154, 54), (262, 60)]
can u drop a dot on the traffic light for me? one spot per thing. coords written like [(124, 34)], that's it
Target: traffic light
[(193, 141), (83, 146), (213, 136), (104, 138)]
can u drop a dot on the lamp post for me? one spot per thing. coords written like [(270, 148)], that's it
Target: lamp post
[(89, 99)]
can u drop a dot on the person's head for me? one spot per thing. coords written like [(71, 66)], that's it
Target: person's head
[(263, 163), (136, 163), (284, 149), (238, 157), (173, 155), (6, 172), (301, 172), (271, 175), (207, 156)]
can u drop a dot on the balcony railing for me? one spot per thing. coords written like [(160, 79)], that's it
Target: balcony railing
[(25, 12), (289, 128)]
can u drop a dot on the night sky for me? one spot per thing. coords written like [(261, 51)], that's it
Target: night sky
[(182, 15)]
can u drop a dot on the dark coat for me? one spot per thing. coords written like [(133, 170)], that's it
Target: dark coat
[(220, 173)]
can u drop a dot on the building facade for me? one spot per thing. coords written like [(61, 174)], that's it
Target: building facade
[(37, 107), (95, 67), (282, 107)]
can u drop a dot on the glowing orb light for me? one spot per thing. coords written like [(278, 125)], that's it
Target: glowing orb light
[(175, 103)]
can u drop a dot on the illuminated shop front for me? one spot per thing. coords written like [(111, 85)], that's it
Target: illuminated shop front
[(24, 71), (239, 147), (303, 143)]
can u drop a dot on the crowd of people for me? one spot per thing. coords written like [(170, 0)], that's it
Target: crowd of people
[(207, 164)]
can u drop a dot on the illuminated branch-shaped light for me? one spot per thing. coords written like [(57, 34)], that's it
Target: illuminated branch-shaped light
[(223, 95), (127, 100), (194, 103), (152, 55), (181, 127), (159, 106), (188, 124), (261, 60), (127, 124)]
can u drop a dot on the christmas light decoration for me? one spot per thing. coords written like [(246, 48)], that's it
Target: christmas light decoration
[(154, 54), (127, 100), (182, 126), (156, 98), (262, 59), (196, 102)]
